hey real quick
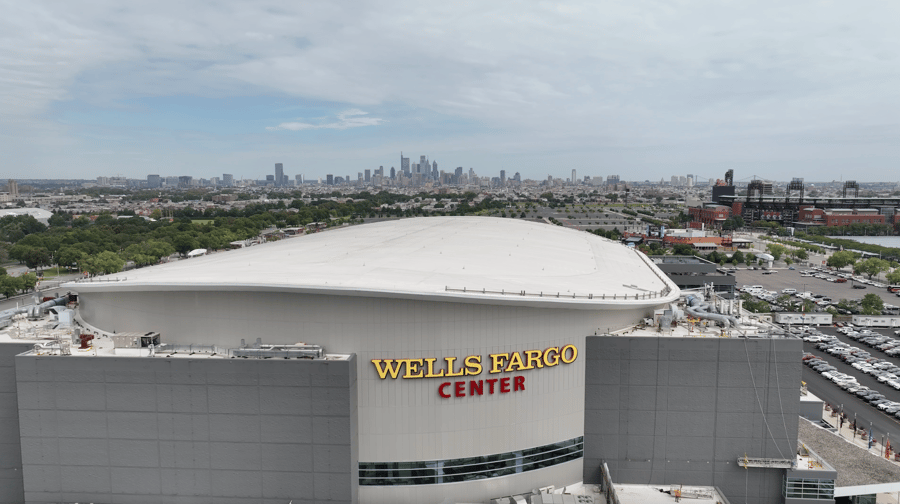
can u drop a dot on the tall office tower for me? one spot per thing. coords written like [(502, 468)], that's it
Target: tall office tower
[(517, 177), (682, 180), (458, 172), (674, 180), (690, 181), (13, 188), (471, 175), (368, 175), (612, 179), (279, 174), (393, 173), (380, 171), (423, 165), (503, 176), (299, 179), (185, 181), (574, 177), (227, 180), (434, 170), (153, 181), (329, 179), (404, 164)]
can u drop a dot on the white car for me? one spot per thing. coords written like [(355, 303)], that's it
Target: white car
[(788, 291)]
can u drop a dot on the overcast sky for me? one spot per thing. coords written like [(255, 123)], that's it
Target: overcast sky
[(640, 88)]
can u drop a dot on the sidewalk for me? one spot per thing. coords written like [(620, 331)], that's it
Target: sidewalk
[(859, 440), (862, 441)]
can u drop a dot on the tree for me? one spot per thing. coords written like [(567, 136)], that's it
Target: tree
[(184, 243), (36, 257), (682, 249), (801, 254), (872, 266), (841, 259), (737, 257), (893, 277), (10, 285), (872, 304), (29, 281), (776, 250), (68, 256)]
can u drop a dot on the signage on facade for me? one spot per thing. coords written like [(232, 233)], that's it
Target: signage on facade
[(474, 365)]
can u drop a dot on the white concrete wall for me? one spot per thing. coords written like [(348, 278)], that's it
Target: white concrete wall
[(401, 419)]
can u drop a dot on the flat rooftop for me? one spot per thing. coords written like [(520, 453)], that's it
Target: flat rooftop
[(663, 494), (61, 342), (459, 257), (855, 466)]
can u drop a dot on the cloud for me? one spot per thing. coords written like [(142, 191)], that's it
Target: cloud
[(353, 118), (710, 80)]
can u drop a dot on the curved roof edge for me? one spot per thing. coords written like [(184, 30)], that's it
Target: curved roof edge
[(556, 301)]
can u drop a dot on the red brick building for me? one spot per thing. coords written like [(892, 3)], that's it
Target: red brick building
[(708, 216)]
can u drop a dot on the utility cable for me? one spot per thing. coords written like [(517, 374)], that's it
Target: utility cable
[(758, 400)]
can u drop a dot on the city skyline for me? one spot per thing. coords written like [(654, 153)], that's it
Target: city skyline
[(643, 90)]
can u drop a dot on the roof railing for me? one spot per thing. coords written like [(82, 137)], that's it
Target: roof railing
[(564, 295)]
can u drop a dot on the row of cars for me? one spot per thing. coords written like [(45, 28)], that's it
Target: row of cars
[(882, 370), (887, 344), (759, 292), (840, 277)]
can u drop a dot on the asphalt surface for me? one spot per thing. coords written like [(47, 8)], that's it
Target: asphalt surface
[(826, 390), (786, 278)]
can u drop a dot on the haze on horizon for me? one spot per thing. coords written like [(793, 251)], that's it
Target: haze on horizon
[(644, 89)]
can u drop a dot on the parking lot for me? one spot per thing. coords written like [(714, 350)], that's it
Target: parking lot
[(785, 278), (853, 406)]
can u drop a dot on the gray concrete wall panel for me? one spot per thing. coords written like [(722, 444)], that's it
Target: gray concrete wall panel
[(682, 410), (229, 435), (11, 487)]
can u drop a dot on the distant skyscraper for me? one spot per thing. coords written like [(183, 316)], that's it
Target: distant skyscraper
[(574, 177), (299, 179), (393, 173), (329, 179), (503, 176), (368, 175), (279, 174), (404, 164), (517, 177), (153, 181), (13, 188), (228, 180)]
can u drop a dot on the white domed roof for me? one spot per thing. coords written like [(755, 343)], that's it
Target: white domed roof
[(475, 258)]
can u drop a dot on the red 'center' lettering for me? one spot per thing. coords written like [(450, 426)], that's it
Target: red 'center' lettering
[(476, 387)]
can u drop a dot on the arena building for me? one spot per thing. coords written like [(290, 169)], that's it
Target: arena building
[(422, 360)]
